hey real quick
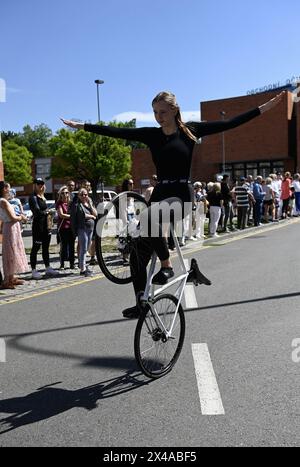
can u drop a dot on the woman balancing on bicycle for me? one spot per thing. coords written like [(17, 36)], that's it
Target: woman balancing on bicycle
[(171, 146)]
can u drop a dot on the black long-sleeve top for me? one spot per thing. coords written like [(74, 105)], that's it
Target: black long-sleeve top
[(172, 154), (39, 210)]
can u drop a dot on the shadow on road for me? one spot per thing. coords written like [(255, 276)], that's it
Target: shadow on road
[(243, 302), (19, 341), (48, 401)]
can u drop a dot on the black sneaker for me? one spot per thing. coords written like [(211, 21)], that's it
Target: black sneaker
[(93, 261), (131, 313), (162, 277), (196, 275)]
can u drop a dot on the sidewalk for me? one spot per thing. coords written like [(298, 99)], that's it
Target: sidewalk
[(69, 277)]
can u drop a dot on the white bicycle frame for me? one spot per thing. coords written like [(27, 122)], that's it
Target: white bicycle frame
[(150, 293)]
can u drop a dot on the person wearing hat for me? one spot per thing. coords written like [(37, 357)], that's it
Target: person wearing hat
[(15, 202), (242, 196), (41, 234)]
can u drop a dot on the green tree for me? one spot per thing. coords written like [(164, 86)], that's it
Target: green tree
[(17, 163), (80, 154), (36, 140)]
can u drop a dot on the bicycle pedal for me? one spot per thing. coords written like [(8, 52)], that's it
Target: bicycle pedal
[(196, 275)]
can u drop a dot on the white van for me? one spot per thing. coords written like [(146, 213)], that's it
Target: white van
[(108, 194)]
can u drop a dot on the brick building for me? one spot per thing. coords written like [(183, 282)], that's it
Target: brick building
[(268, 143)]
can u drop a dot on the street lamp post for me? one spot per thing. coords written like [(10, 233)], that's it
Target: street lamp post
[(222, 113), (98, 81)]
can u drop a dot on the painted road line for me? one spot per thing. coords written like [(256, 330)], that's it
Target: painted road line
[(2, 351), (189, 292), (209, 394)]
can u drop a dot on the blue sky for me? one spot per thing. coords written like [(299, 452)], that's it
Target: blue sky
[(52, 51)]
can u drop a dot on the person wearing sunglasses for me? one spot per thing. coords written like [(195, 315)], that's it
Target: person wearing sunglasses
[(83, 216), (64, 231)]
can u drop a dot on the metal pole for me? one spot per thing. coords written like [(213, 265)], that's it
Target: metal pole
[(98, 81), (223, 144), (98, 102)]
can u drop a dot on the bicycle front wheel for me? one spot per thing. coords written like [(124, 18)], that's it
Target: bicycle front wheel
[(156, 352)]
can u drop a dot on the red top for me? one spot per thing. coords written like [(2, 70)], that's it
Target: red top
[(63, 223), (286, 189)]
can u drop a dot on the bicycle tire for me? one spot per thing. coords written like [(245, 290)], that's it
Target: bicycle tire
[(113, 242), (155, 357)]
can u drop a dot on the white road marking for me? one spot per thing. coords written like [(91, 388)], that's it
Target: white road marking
[(2, 350), (189, 293), (210, 398)]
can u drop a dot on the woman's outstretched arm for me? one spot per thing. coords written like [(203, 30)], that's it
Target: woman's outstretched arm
[(209, 128), (132, 134)]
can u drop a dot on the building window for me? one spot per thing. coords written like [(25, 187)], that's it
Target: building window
[(263, 168)]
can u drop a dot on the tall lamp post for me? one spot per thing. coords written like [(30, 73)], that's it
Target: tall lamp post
[(98, 81), (222, 113)]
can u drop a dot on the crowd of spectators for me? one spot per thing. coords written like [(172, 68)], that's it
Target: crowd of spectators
[(246, 202), (222, 205)]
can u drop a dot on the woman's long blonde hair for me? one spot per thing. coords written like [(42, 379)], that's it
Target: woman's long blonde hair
[(170, 99), (59, 194)]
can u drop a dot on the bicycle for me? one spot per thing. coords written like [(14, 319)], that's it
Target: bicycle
[(160, 330)]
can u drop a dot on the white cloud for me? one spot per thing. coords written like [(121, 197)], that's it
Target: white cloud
[(148, 117), (2, 90), (191, 115), (139, 116)]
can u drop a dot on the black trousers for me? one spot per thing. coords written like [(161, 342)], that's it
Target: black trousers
[(182, 195), (153, 219), (67, 250), (242, 216), (285, 207), (36, 244)]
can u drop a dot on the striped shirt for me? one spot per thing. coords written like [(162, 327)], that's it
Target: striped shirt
[(242, 198)]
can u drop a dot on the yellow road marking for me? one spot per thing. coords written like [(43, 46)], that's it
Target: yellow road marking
[(240, 236), (13, 299)]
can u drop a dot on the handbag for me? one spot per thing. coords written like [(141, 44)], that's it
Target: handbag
[(50, 222)]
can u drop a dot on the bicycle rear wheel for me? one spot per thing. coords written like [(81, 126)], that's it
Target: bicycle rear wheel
[(116, 232), (156, 353)]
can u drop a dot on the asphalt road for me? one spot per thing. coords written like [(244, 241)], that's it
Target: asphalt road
[(70, 377)]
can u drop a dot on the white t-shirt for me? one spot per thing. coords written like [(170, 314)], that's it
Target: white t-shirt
[(296, 185)]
